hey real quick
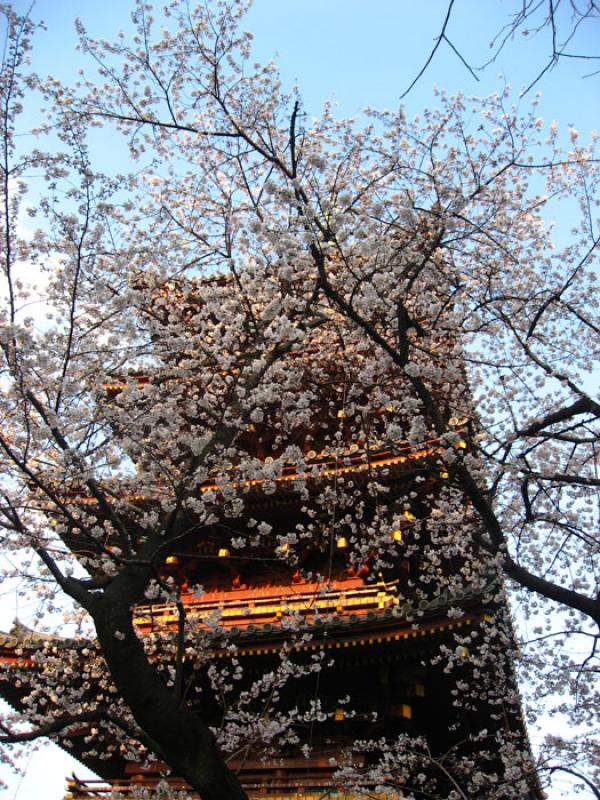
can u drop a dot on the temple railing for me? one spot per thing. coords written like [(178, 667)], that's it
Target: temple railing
[(243, 607), (142, 790)]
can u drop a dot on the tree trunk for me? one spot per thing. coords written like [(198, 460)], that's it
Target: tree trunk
[(177, 736)]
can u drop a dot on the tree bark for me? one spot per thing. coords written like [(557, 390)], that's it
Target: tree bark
[(178, 736)]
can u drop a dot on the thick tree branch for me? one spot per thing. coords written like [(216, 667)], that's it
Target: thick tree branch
[(59, 725), (582, 406)]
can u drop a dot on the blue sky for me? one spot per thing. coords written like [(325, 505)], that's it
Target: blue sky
[(357, 53), (364, 52)]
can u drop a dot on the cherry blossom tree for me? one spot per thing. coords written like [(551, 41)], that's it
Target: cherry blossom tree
[(399, 282)]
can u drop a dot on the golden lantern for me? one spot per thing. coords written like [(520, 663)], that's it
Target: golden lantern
[(456, 422), (342, 543), (223, 552), (396, 535)]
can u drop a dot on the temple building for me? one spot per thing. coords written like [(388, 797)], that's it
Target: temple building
[(385, 643)]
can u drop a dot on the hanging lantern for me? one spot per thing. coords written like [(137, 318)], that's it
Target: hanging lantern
[(172, 561), (396, 535), (223, 552), (342, 543)]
